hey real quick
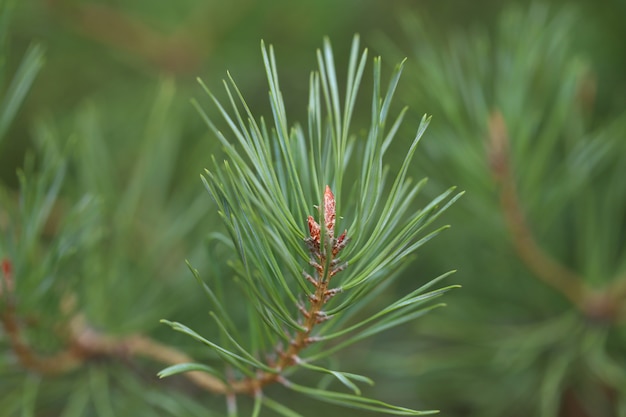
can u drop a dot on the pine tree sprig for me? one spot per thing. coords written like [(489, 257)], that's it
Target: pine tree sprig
[(302, 272), (544, 267), (544, 314), (319, 225)]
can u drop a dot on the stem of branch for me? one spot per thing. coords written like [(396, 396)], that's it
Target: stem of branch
[(85, 343), (324, 248), (544, 267)]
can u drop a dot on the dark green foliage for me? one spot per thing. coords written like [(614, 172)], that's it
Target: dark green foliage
[(92, 252), (265, 191), (100, 205), (539, 327)]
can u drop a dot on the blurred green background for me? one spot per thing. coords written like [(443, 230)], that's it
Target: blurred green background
[(103, 51), (119, 75)]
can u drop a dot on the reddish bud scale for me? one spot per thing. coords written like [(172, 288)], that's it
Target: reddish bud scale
[(329, 212), (314, 230), (340, 243), (316, 246)]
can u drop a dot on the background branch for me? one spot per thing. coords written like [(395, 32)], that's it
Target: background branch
[(543, 266), (84, 343), (606, 303)]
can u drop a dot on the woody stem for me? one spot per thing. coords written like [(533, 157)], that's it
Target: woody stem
[(544, 267), (300, 341)]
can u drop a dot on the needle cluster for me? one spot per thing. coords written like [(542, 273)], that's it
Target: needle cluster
[(264, 190)]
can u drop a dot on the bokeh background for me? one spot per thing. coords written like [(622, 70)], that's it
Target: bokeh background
[(548, 79)]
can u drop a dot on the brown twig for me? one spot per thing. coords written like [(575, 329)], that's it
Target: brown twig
[(324, 248), (544, 267), (85, 343), (606, 304), (89, 343), (62, 362), (175, 53), (178, 52)]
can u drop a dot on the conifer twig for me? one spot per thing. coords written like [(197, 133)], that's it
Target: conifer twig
[(605, 304), (324, 248), (176, 53), (89, 343), (61, 362), (544, 267), (85, 343)]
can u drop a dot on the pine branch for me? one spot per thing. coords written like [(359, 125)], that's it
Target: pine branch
[(271, 174), (547, 327), (84, 343), (545, 267), (605, 304), (264, 192), (324, 248)]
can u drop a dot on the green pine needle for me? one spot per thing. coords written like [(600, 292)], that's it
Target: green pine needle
[(272, 178)]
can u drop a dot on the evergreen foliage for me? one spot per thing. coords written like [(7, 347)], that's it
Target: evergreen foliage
[(88, 247), (106, 206), (265, 191), (87, 255), (539, 327)]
